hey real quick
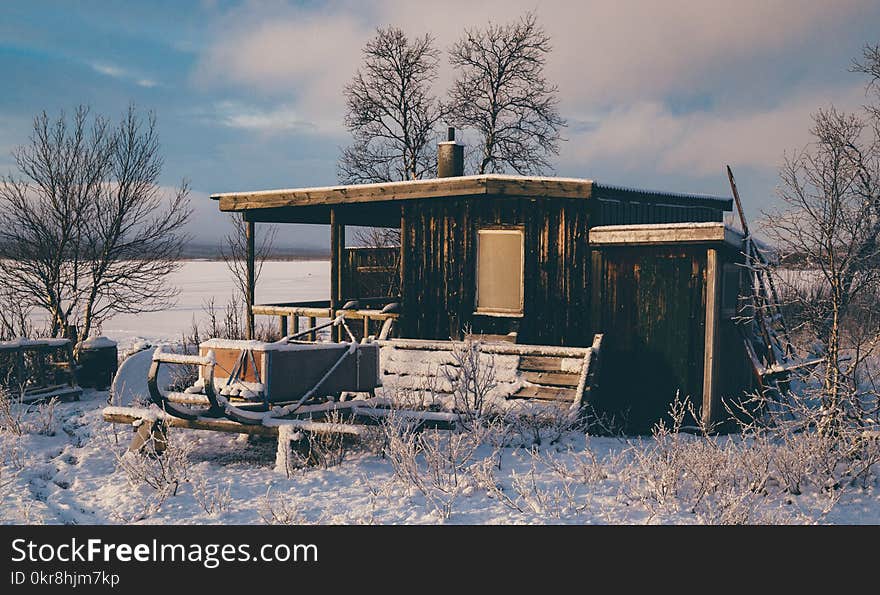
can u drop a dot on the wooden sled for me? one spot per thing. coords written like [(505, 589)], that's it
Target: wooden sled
[(250, 382)]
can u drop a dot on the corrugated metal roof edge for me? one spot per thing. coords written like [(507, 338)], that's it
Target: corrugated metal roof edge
[(611, 192)]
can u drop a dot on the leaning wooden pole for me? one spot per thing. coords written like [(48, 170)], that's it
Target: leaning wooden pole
[(774, 295), (251, 279)]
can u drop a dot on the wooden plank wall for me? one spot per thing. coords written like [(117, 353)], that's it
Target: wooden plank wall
[(439, 240), (736, 378), (651, 304)]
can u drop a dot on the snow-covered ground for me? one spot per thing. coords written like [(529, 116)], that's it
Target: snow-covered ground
[(74, 476), (64, 464)]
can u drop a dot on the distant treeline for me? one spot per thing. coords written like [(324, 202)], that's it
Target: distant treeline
[(212, 251)]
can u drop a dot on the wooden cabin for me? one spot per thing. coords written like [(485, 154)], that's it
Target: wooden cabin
[(543, 260)]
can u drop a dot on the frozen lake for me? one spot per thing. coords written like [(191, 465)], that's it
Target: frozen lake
[(200, 281)]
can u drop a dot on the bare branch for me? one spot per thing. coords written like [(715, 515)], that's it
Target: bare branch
[(501, 93), (86, 231), (391, 111)]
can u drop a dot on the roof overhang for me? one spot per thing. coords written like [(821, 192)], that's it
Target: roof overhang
[(665, 233), (379, 204), (500, 185)]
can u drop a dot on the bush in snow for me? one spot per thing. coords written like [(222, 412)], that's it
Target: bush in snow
[(11, 413), (163, 464), (284, 510), (45, 421), (472, 378), (214, 500), (538, 424), (434, 463)]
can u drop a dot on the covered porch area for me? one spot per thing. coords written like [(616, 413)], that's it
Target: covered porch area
[(370, 285), (364, 280)]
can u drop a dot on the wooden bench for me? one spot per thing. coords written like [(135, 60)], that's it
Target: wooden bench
[(567, 375)]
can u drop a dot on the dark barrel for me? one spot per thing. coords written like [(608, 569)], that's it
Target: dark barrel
[(97, 363)]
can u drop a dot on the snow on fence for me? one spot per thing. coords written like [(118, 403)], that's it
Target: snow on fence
[(429, 370)]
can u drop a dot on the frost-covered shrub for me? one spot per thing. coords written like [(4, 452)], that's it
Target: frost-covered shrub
[(434, 463), (44, 419), (214, 500), (163, 463), (11, 413), (472, 378)]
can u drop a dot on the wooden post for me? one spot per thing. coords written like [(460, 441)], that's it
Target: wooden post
[(249, 298), (401, 251), (313, 336), (340, 271), (337, 250), (713, 318), (294, 324), (334, 266), (282, 325)]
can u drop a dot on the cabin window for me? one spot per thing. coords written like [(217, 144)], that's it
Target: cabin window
[(500, 271)]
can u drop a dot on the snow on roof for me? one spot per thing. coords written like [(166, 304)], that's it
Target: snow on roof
[(23, 342), (405, 184), (649, 226), (98, 342), (654, 233)]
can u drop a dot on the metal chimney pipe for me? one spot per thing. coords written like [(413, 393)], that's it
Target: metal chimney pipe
[(450, 156)]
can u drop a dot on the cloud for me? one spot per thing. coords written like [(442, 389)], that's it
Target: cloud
[(304, 56), (233, 114), (648, 135), (109, 70), (122, 74), (675, 85), (603, 51)]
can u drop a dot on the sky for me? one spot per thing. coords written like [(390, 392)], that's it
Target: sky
[(659, 95)]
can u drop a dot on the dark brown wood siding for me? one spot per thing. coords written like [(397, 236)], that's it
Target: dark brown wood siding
[(736, 376), (650, 302), (439, 287)]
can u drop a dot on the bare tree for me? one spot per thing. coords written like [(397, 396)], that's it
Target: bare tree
[(377, 237), (133, 237), (870, 65), (41, 213), (391, 111), (85, 230), (501, 92), (830, 226), (234, 253)]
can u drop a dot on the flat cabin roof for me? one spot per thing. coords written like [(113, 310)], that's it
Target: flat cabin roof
[(312, 205), (665, 233)]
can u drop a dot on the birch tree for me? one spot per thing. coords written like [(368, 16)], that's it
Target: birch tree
[(86, 231), (391, 111), (829, 224), (501, 93)]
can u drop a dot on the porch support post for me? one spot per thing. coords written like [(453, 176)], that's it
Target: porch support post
[(401, 251), (251, 279), (337, 250), (713, 318)]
